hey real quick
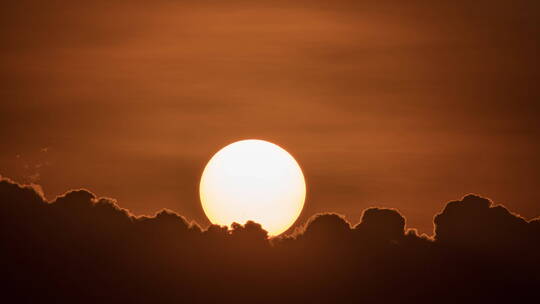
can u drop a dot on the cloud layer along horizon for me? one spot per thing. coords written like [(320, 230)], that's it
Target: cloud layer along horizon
[(82, 248)]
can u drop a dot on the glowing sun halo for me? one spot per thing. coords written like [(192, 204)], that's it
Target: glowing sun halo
[(253, 180)]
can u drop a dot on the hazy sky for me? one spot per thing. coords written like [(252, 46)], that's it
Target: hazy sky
[(404, 104)]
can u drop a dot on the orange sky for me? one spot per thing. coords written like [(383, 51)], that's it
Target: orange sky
[(383, 103)]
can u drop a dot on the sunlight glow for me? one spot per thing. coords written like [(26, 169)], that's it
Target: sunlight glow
[(253, 180)]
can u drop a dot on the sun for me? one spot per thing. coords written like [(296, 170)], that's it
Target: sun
[(253, 180)]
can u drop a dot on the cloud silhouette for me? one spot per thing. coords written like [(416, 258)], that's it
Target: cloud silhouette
[(82, 248), (382, 224), (476, 223)]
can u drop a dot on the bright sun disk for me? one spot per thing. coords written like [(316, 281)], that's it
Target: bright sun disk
[(253, 180)]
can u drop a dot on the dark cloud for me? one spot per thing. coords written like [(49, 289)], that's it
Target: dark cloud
[(382, 224), (82, 248), (476, 225)]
